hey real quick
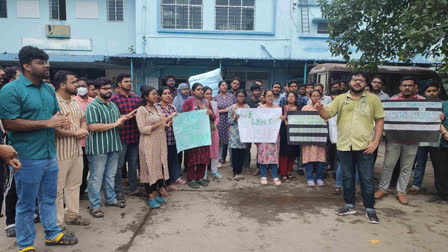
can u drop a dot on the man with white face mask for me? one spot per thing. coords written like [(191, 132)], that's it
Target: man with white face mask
[(84, 99)]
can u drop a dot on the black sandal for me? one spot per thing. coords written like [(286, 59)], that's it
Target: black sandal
[(117, 203), (62, 239), (96, 213), (285, 179), (292, 177)]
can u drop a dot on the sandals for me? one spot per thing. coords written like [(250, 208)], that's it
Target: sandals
[(96, 213), (247, 171), (77, 221), (28, 249), (337, 190), (62, 239), (120, 197), (291, 177), (163, 191), (173, 188), (136, 193), (285, 179), (117, 203), (257, 172), (180, 181)]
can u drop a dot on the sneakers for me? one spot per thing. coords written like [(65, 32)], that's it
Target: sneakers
[(193, 184), (160, 200), (10, 230), (238, 177), (216, 175), (277, 181), (379, 194), (153, 204), (345, 211), (264, 180), (310, 183), (373, 218), (402, 199), (436, 199), (320, 182), (203, 182), (219, 165)]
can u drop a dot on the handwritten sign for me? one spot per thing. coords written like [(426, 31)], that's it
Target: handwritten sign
[(191, 130), (306, 128), (416, 121), (210, 79), (260, 125)]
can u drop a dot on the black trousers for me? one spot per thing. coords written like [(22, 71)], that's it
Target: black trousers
[(10, 200), (440, 159), (2, 184), (238, 157), (85, 171), (154, 187)]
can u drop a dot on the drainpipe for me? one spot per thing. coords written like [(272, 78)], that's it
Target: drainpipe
[(304, 73)]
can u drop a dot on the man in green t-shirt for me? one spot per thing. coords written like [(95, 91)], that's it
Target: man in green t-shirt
[(357, 112)]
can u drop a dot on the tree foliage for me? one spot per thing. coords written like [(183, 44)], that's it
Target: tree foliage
[(387, 30)]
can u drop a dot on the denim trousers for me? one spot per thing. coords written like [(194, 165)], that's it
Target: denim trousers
[(273, 167), (339, 176), (130, 153), (352, 161), (103, 168), (420, 164), (38, 179), (320, 167), (173, 163)]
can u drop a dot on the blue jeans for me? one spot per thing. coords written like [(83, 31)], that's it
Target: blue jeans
[(319, 170), (350, 162), (103, 168), (420, 164), (38, 179), (274, 170), (339, 176), (173, 163), (129, 152)]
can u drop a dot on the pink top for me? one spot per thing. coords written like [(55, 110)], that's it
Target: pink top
[(84, 106)]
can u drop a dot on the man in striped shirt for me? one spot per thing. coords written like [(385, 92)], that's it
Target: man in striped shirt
[(68, 150), (103, 146)]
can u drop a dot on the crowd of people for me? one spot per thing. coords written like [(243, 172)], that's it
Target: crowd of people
[(75, 135)]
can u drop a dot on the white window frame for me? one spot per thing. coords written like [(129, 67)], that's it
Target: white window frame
[(241, 17), (188, 18), (115, 16)]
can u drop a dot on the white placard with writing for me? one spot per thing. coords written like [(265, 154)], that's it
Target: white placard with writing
[(260, 125)]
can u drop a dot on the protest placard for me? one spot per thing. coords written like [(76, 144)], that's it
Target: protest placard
[(306, 128), (412, 121), (210, 79), (192, 129), (260, 125)]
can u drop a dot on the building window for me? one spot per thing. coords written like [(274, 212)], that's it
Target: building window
[(182, 14), (3, 12), (114, 10), (235, 15), (57, 10), (322, 28)]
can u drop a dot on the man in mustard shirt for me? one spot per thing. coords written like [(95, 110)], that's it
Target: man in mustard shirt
[(359, 112)]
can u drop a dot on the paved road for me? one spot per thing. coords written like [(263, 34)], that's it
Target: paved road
[(246, 216)]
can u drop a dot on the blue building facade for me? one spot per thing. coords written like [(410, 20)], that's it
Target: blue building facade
[(79, 35), (271, 40)]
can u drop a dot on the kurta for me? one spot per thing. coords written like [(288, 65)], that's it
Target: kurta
[(223, 126), (313, 153), (268, 153), (199, 155), (214, 148), (152, 147), (234, 133), (285, 148)]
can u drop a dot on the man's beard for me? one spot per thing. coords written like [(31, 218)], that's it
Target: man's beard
[(357, 91), (105, 96)]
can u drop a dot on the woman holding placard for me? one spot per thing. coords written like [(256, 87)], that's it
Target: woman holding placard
[(288, 153), (268, 153), (214, 148), (224, 101), (197, 159), (314, 156), (238, 149)]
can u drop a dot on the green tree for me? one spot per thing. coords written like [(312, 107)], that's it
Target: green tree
[(387, 30)]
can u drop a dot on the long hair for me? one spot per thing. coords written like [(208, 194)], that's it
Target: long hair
[(145, 90)]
